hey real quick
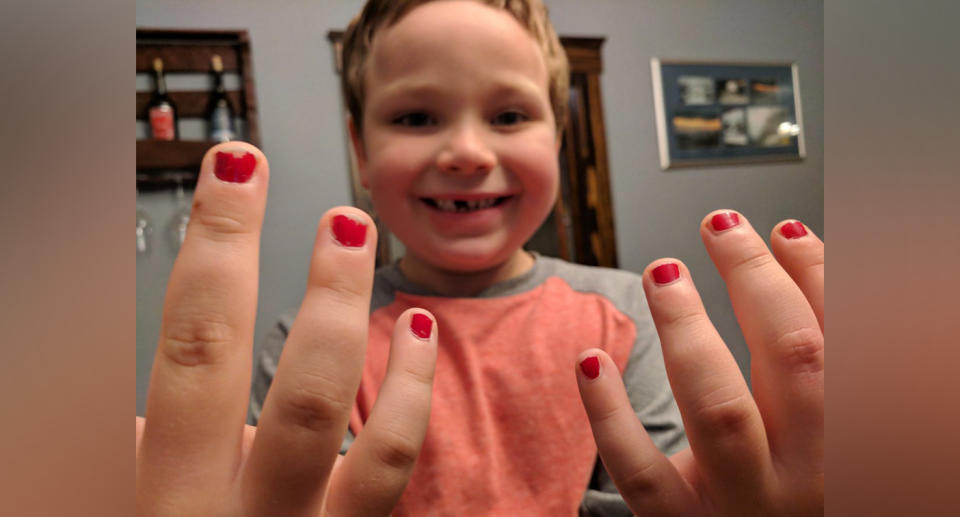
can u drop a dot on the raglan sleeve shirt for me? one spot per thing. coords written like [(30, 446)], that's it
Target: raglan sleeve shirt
[(507, 431)]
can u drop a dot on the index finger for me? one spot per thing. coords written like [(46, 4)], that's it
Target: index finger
[(199, 386)]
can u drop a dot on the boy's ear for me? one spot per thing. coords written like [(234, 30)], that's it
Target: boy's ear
[(357, 142)]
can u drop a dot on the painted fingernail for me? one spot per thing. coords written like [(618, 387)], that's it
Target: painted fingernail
[(590, 367), (665, 273), (793, 230), (725, 221), (235, 169), (349, 232), (421, 325)]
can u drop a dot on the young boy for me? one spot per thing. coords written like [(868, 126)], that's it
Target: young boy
[(456, 115)]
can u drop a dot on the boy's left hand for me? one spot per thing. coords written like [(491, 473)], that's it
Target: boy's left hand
[(759, 454)]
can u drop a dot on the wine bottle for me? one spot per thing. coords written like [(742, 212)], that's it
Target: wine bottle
[(219, 111), (161, 111)]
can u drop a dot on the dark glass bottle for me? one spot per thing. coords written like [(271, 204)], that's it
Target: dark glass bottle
[(219, 112), (161, 111)]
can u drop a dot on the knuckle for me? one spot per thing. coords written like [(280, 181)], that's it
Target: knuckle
[(342, 291), (801, 350), (317, 405), (418, 375), (725, 415), (197, 341), (756, 260), (816, 266), (396, 451), (217, 226), (346, 291), (602, 416), (640, 483), (686, 319)]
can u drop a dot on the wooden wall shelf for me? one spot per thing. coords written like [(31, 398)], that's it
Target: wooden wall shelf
[(191, 104), (182, 154), (162, 164)]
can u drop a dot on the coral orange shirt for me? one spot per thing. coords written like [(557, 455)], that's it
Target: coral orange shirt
[(508, 434)]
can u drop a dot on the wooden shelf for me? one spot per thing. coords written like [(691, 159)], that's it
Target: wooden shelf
[(177, 154), (163, 181), (191, 104), (163, 164)]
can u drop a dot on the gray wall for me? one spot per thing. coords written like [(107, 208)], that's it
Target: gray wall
[(657, 213)]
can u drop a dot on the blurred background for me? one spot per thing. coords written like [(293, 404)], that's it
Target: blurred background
[(646, 212)]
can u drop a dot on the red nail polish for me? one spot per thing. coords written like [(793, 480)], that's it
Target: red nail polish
[(590, 367), (235, 169), (349, 232), (793, 230), (725, 221), (421, 325), (665, 273)]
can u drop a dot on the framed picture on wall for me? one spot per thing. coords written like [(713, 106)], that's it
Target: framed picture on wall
[(726, 113)]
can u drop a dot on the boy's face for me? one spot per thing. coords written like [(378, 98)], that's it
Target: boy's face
[(459, 148)]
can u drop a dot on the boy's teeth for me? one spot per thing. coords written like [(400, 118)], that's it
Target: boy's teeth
[(457, 205), (447, 205)]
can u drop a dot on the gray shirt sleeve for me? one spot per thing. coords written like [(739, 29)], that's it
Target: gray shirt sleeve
[(265, 366)]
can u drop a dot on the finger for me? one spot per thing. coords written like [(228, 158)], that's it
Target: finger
[(781, 330), (800, 253), (379, 463), (199, 385), (306, 412), (722, 422), (645, 478)]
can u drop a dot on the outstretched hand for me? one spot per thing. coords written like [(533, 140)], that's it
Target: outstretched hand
[(195, 456), (750, 454)]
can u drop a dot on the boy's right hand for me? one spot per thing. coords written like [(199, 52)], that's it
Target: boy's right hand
[(194, 454)]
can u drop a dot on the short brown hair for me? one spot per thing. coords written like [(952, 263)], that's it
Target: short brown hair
[(376, 14)]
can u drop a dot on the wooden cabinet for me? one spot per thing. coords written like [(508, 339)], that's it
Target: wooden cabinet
[(583, 216), (164, 163)]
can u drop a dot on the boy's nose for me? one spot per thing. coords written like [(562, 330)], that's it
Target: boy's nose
[(465, 152)]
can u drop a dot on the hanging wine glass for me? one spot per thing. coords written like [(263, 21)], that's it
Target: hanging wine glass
[(181, 218), (144, 228)]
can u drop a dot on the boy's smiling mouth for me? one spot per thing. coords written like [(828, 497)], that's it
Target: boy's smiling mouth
[(464, 205)]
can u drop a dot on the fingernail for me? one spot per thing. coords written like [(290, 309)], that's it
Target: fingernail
[(590, 367), (665, 273), (233, 168), (725, 221), (349, 232), (421, 325), (793, 230)]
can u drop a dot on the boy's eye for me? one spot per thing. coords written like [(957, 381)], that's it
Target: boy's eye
[(415, 119), (509, 118)]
